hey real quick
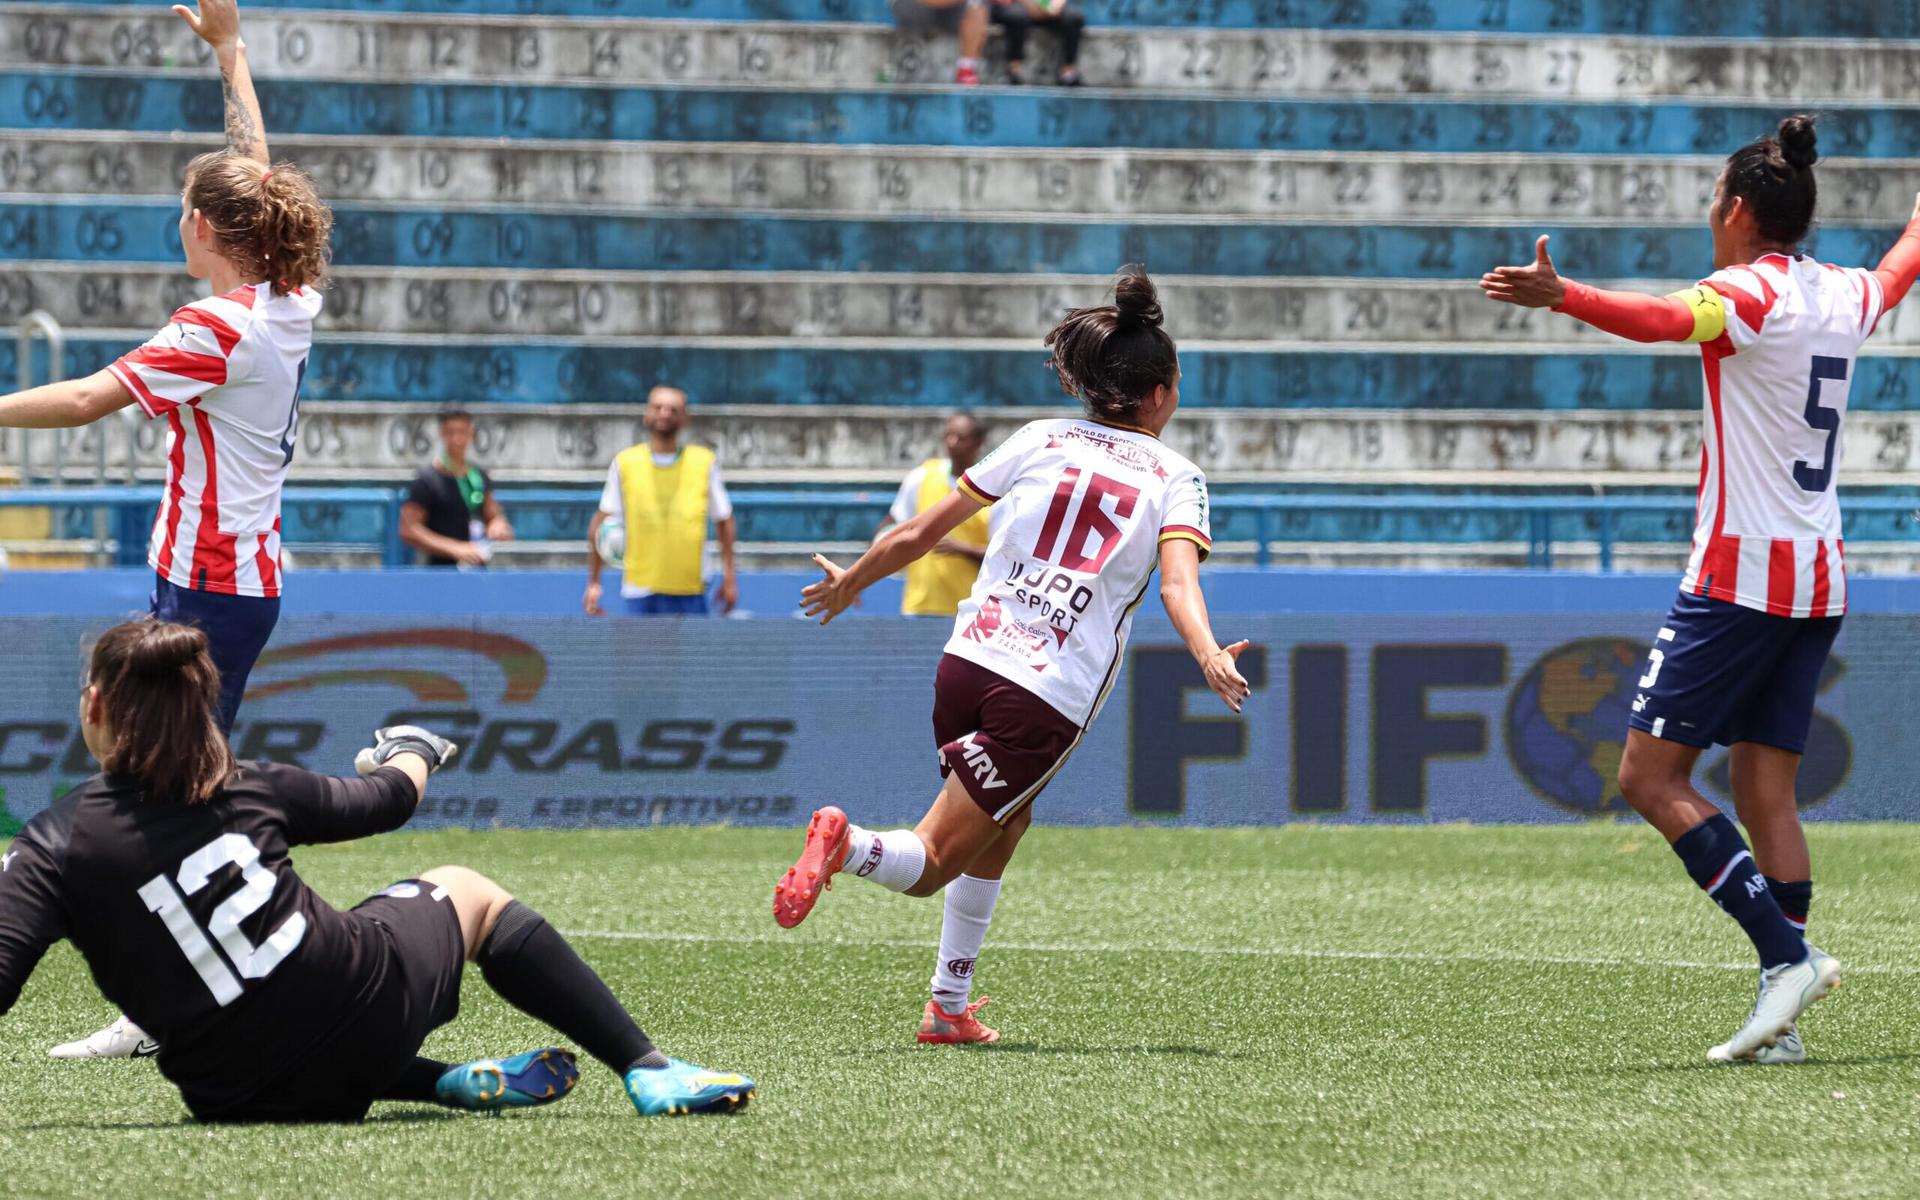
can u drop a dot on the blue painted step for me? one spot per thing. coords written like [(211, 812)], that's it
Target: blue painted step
[(148, 231), (540, 373), (1702, 18), (924, 116)]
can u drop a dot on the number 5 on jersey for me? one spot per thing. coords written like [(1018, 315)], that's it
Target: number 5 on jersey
[(243, 960)]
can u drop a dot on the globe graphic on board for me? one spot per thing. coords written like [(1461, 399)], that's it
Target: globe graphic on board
[(1567, 722)]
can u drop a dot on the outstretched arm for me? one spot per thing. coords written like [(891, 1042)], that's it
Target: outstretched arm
[(1901, 266), (1186, 606), (904, 543), (1696, 314), (65, 405), (218, 24)]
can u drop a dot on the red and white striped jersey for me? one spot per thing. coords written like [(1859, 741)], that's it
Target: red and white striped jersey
[(226, 376), (1767, 535)]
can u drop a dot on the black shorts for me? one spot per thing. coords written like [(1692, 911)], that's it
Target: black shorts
[(412, 933)]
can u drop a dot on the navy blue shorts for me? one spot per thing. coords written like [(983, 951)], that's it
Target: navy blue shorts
[(237, 629), (1720, 674), (657, 605)]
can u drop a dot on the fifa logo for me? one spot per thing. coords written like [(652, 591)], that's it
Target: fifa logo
[(960, 968)]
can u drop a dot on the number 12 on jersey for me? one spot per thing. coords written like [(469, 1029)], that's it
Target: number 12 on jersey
[(1089, 520), (256, 888)]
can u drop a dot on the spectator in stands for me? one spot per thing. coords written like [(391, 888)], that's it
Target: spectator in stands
[(968, 18), (938, 583), (452, 516), (665, 494), (1065, 22)]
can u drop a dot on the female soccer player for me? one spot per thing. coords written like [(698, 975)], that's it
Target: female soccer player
[(1090, 506), (1739, 659), (225, 374), (170, 874)]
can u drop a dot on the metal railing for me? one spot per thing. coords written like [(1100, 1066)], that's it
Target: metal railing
[(127, 511)]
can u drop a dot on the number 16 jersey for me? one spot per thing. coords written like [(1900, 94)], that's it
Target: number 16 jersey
[(1767, 535), (1082, 507)]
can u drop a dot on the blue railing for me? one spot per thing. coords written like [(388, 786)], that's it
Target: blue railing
[(368, 518)]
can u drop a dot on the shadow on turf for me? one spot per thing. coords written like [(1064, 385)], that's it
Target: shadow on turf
[(1038, 1048), (403, 1116), (1811, 1065)]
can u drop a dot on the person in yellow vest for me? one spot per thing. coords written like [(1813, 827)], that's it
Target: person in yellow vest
[(665, 493), (938, 583)]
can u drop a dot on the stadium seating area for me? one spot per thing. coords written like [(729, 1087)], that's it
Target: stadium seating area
[(547, 206)]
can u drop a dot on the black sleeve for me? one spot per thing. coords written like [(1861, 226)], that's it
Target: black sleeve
[(420, 491), (322, 808), (32, 917)]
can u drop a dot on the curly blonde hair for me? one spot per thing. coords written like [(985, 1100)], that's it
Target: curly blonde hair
[(267, 220)]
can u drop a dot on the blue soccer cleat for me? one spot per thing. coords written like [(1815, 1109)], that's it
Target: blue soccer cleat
[(681, 1087), (523, 1081)]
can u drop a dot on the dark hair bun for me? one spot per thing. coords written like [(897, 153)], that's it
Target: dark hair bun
[(165, 649), (1135, 302), (1796, 138)]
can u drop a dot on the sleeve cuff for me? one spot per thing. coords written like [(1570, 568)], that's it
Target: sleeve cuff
[(1186, 533), (972, 492), (146, 400)]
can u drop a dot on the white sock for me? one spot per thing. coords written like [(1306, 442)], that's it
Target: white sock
[(893, 859), (970, 904), (968, 64)]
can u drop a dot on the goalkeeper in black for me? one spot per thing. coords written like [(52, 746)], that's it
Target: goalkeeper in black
[(170, 873)]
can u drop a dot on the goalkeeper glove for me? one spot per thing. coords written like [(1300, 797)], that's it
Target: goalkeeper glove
[(405, 739)]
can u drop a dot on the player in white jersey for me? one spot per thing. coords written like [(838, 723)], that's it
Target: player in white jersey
[(1740, 657), (1087, 509), (224, 374)]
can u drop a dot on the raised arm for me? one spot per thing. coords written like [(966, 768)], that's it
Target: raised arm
[(218, 24), (1186, 607), (904, 543), (65, 405), (1695, 314), (1901, 266)]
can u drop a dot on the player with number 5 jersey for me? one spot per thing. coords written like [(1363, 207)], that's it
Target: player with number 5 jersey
[(1087, 510), (1744, 649)]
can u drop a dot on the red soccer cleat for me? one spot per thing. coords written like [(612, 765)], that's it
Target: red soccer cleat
[(938, 1027), (820, 861), (966, 77)]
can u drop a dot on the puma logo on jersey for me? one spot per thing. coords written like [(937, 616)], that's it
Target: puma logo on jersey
[(6, 860), (983, 768)]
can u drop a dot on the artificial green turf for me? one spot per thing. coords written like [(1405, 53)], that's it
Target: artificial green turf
[(1305, 1011)]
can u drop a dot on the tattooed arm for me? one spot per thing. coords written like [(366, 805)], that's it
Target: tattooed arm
[(218, 24)]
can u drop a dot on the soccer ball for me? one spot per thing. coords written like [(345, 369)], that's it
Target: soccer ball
[(610, 540)]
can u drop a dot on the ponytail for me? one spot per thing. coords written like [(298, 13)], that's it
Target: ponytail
[(1112, 356), (159, 689), (270, 222)]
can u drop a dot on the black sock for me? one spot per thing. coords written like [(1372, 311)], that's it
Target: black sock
[(1716, 856), (1795, 900), (531, 966), (416, 1082)]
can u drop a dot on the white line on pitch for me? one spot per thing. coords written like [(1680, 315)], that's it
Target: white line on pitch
[(1558, 960)]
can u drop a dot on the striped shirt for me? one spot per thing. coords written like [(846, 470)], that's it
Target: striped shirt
[(1767, 535), (225, 375)]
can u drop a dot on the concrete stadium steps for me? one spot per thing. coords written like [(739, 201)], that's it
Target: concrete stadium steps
[(115, 230), (993, 374), (151, 103), (380, 46), (1809, 19), (873, 446), (557, 304), (1040, 185)]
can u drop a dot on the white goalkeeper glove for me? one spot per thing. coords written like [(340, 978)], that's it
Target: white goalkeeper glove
[(405, 739)]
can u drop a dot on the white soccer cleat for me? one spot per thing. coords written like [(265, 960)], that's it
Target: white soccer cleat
[(122, 1039), (1789, 1049), (1785, 993)]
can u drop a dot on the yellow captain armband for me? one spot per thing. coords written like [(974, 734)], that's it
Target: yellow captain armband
[(1708, 309)]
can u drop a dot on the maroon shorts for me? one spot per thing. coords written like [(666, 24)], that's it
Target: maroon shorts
[(1005, 742)]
